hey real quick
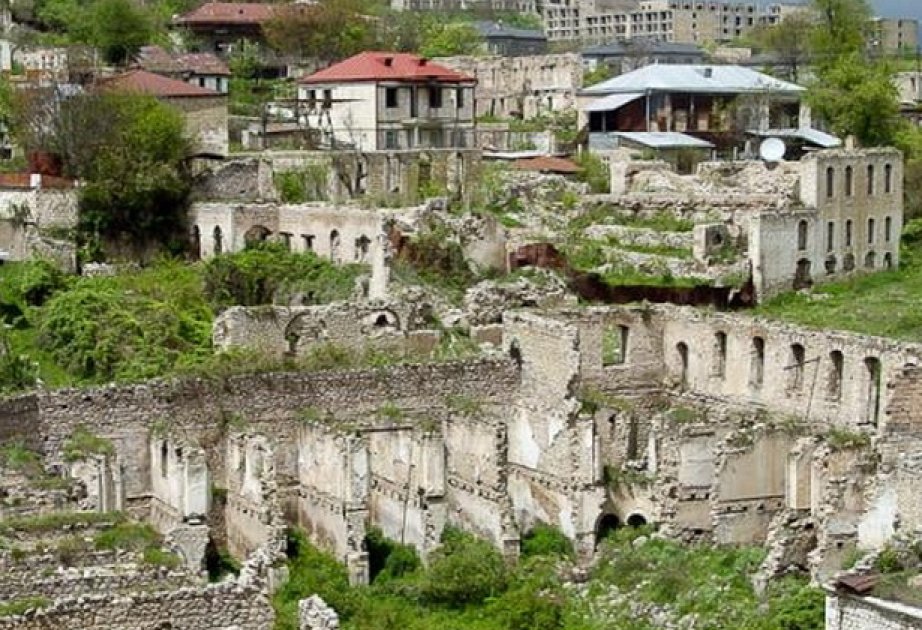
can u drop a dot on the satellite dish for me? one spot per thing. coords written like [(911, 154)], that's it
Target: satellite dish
[(772, 150)]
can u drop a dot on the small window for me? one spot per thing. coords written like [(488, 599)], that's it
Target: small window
[(218, 241), (459, 98), (164, 459), (720, 354), (870, 179), (435, 97), (308, 241), (390, 139), (830, 182), (834, 380), (682, 352), (888, 178), (286, 240), (849, 183), (327, 99), (870, 231), (390, 97), (888, 229), (312, 99), (802, 235), (796, 368), (614, 345), (848, 233), (830, 236), (757, 362)]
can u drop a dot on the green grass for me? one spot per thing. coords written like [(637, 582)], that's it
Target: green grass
[(83, 443), (884, 304), (608, 215), (21, 605), (58, 520)]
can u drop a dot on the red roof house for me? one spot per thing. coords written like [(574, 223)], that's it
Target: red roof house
[(390, 101)]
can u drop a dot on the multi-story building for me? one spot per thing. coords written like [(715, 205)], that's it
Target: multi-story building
[(894, 35), (385, 100)]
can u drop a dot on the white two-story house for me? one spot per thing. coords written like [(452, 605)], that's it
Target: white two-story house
[(382, 100)]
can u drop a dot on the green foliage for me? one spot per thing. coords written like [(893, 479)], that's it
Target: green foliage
[(593, 171), (21, 605), (219, 562), (326, 30), (602, 214), (83, 443), (57, 520), (841, 29), (300, 186), (546, 540), (445, 39), (840, 439), (127, 537), (245, 60), (795, 605), (464, 405), (157, 557), (536, 599), (601, 72), (16, 456), (464, 570), (388, 560), (120, 28), (39, 280), (888, 561), (17, 371), (266, 273)]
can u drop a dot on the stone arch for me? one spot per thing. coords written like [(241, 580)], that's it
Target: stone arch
[(802, 277), (888, 261), (381, 320), (196, 242), (830, 264), (848, 262), (303, 328), (607, 523), (870, 260), (218, 241), (256, 234), (636, 520)]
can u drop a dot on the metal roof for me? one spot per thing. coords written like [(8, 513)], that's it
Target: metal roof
[(704, 79), (612, 102), (491, 30), (663, 139), (642, 47), (813, 136)]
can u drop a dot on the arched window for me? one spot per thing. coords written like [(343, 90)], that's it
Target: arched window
[(834, 379), (870, 179), (757, 362), (848, 233), (870, 260), (830, 235), (196, 242), (888, 178), (830, 181), (362, 244), (796, 368), (334, 246), (849, 183), (218, 241), (870, 231), (888, 229), (164, 458), (872, 374), (802, 235), (682, 351), (802, 277), (888, 261)]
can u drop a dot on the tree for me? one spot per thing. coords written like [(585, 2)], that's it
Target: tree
[(841, 29), (790, 40), (327, 30), (120, 28), (440, 39), (856, 97)]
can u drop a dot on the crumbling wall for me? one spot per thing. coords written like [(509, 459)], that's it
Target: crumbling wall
[(849, 612)]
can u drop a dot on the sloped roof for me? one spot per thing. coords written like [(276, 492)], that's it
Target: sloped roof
[(663, 139), (547, 164), (704, 79), (498, 30), (228, 13), (385, 66), (156, 59), (145, 82), (642, 47)]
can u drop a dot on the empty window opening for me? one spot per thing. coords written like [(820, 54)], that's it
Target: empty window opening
[(834, 378), (888, 261), (362, 244), (888, 229), (849, 188), (164, 458), (757, 362), (802, 278), (636, 520), (308, 242), (870, 179), (830, 236), (830, 181), (720, 354), (682, 351), (848, 262), (608, 524), (435, 97), (459, 98), (830, 264), (796, 367), (218, 241), (873, 376), (391, 99), (802, 235), (870, 260), (334, 246), (614, 345), (286, 240), (196, 242), (256, 234), (848, 233), (870, 231), (888, 178)]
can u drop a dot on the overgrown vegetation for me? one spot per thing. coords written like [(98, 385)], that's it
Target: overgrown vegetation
[(20, 605), (83, 443), (468, 586)]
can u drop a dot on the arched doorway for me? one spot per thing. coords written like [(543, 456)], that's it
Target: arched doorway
[(636, 520), (256, 234), (608, 523)]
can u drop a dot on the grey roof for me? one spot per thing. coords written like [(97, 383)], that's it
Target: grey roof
[(642, 47), (497, 29), (612, 102), (663, 139), (703, 79), (813, 136)]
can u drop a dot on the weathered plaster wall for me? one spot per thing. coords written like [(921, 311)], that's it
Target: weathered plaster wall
[(845, 612)]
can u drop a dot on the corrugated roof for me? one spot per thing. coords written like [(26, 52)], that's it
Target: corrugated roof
[(705, 79), (156, 59), (145, 82), (228, 13), (611, 102), (386, 66), (664, 139), (813, 136)]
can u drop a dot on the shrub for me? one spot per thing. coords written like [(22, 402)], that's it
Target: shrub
[(128, 537), (82, 443), (545, 540), (535, 601), (463, 570), (38, 280), (387, 559)]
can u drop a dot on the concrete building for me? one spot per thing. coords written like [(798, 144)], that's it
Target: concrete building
[(627, 55), (202, 69), (204, 110), (383, 100), (703, 101), (893, 35), (507, 41)]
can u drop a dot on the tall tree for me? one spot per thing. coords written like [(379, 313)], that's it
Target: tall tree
[(120, 28), (790, 41), (842, 27), (327, 30)]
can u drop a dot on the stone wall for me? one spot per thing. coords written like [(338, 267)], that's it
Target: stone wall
[(847, 612), (205, 122), (34, 223)]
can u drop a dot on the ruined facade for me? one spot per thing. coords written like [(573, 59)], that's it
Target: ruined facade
[(37, 215)]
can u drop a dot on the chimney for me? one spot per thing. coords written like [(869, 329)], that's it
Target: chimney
[(388, 61), (423, 61), (35, 180), (708, 73)]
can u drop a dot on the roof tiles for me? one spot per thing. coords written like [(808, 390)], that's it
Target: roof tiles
[(228, 13), (145, 82), (386, 66)]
